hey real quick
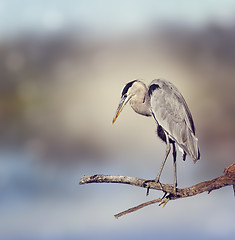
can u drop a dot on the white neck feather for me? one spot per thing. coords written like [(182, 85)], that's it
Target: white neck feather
[(140, 102)]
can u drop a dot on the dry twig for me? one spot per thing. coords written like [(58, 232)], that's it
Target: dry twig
[(225, 180)]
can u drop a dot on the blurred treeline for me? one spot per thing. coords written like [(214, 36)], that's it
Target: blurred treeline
[(52, 86)]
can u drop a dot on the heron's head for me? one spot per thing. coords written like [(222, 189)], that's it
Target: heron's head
[(129, 91)]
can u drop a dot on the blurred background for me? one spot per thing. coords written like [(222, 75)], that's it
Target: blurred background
[(63, 65)]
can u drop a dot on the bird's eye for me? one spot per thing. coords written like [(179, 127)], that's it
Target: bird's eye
[(125, 95)]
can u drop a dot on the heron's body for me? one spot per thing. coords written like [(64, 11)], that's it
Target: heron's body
[(163, 101)]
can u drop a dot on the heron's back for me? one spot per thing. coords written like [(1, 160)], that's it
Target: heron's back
[(172, 114)]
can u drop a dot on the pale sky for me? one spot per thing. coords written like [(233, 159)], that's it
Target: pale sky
[(109, 16)]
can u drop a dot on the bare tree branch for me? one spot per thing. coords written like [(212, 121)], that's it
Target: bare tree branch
[(133, 209), (225, 180)]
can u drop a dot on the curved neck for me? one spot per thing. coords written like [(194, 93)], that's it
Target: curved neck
[(140, 102)]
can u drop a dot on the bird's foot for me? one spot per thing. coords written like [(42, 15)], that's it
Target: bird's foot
[(156, 180), (147, 184)]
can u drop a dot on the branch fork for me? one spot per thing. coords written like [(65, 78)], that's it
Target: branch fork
[(169, 192)]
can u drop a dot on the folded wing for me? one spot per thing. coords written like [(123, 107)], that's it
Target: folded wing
[(172, 114)]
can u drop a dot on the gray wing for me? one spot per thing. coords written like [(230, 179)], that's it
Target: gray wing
[(172, 114)]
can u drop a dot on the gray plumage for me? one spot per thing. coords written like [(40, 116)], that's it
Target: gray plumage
[(163, 101), (172, 113)]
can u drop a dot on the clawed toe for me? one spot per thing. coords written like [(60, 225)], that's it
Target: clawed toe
[(147, 184), (147, 181)]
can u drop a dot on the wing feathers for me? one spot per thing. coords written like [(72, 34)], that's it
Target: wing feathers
[(172, 113)]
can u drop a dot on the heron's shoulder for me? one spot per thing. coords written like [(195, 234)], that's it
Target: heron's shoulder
[(163, 86), (166, 98), (159, 81)]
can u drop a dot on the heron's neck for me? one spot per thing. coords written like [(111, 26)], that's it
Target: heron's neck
[(141, 103)]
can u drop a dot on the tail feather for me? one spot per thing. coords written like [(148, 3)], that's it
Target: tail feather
[(192, 146)]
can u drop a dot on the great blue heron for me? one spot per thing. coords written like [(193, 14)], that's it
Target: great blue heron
[(163, 101)]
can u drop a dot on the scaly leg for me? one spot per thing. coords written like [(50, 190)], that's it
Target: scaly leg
[(168, 148)]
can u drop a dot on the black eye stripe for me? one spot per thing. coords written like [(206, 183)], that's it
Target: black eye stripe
[(152, 88), (125, 89)]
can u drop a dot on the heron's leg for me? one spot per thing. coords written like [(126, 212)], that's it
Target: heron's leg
[(174, 163), (168, 148)]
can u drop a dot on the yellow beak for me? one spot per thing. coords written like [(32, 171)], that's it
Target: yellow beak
[(121, 105)]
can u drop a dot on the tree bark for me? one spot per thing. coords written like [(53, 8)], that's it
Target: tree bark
[(225, 180)]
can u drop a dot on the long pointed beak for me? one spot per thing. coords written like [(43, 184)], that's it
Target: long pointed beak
[(121, 105)]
